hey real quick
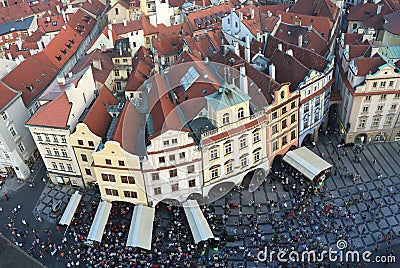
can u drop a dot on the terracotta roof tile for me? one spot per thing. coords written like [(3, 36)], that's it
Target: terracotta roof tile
[(356, 51), (140, 73), (98, 119), (173, 30), (392, 24), (95, 7), (36, 76), (208, 16), (367, 14), (6, 95), (352, 38), (42, 7), (135, 25), (53, 114), (318, 8), (50, 24), (15, 12), (368, 65), (274, 9), (81, 22), (167, 45)]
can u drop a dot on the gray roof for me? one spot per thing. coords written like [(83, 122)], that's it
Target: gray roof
[(19, 25), (226, 96)]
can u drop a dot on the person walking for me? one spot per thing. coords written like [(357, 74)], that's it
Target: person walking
[(6, 195)]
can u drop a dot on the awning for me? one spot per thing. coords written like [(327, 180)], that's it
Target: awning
[(198, 224), (71, 208), (307, 162), (141, 229), (99, 221)]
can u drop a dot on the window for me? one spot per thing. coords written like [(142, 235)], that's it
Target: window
[(56, 152), (367, 98), (116, 11), (376, 121), (375, 84), (214, 173), (190, 169), (134, 43), (292, 118), (47, 138), (274, 129), (228, 148), (130, 194), (88, 171), (293, 135), (91, 143), (284, 125), (161, 159), (256, 156), (64, 153), (243, 143), (256, 137), (12, 131), (173, 173), (155, 177), (166, 143), (380, 107), (157, 190), (214, 154), (284, 141), (54, 165), (147, 40), (55, 139), (62, 166), (69, 167), (225, 119), (292, 105), (397, 95), (172, 157), (192, 183), (128, 179), (383, 97), (175, 187), (361, 124), (108, 177), (84, 158), (243, 161), (125, 60), (391, 83), (38, 137), (182, 155), (121, 163), (240, 113), (4, 115), (111, 192), (389, 119), (63, 140), (48, 151), (365, 109), (274, 115), (383, 83), (80, 142), (21, 147), (174, 141), (229, 167), (306, 107), (393, 107), (116, 72), (284, 110), (275, 146)]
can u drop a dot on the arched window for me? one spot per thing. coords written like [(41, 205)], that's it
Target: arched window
[(240, 113), (225, 119), (214, 171)]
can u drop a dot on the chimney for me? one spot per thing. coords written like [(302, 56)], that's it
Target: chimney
[(40, 45), (103, 48), (252, 13), (90, 1), (237, 51), (63, 15), (241, 16), (243, 80), (300, 40), (21, 57), (67, 18), (109, 32), (377, 1), (7, 45), (70, 74), (269, 14), (365, 2), (97, 64), (156, 64), (19, 43), (58, 9), (247, 49), (272, 71), (61, 80), (289, 52), (125, 22), (32, 52), (379, 9), (9, 56), (280, 47)]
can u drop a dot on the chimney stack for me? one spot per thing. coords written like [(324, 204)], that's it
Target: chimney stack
[(19, 42), (241, 16), (272, 71), (269, 13), (237, 51), (379, 9), (97, 64), (63, 15), (125, 22), (61, 80), (300, 40), (40, 45), (109, 32), (289, 52), (247, 49), (243, 80), (280, 47), (252, 13)]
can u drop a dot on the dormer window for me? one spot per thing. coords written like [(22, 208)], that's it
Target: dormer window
[(68, 45), (58, 58), (64, 51)]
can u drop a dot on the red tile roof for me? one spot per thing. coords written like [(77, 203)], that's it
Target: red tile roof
[(392, 24), (95, 7), (205, 14), (98, 119), (42, 7), (274, 9), (356, 51), (50, 23), (81, 22), (367, 14), (311, 39), (352, 38), (173, 30), (368, 65), (53, 114), (318, 8), (15, 12), (140, 73), (135, 25), (35, 75), (6, 95), (167, 45)]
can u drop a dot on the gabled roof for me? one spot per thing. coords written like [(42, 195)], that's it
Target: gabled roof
[(167, 45), (352, 38), (173, 30), (135, 25), (6, 95), (368, 65), (95, 7), (209, 16), (356, 51), (274, 9), (367, 13), (392, 24), (81, 22), (318, 8), (98, 119), (36, 77), (142, 69), (53, 114), (226, 96), (15, 12), (50, 23)]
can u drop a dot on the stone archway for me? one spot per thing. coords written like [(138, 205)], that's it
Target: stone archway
[(307, 141), (361, 138), (168, 202)]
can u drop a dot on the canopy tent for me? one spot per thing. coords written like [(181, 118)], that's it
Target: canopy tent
[(198, 224), (99, 221), (141, 229), (307, 162), (71, 208)]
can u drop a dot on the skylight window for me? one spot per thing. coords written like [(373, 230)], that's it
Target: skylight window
[(189, 78)]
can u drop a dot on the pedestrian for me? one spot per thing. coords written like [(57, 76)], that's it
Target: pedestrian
[(6, 195)]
